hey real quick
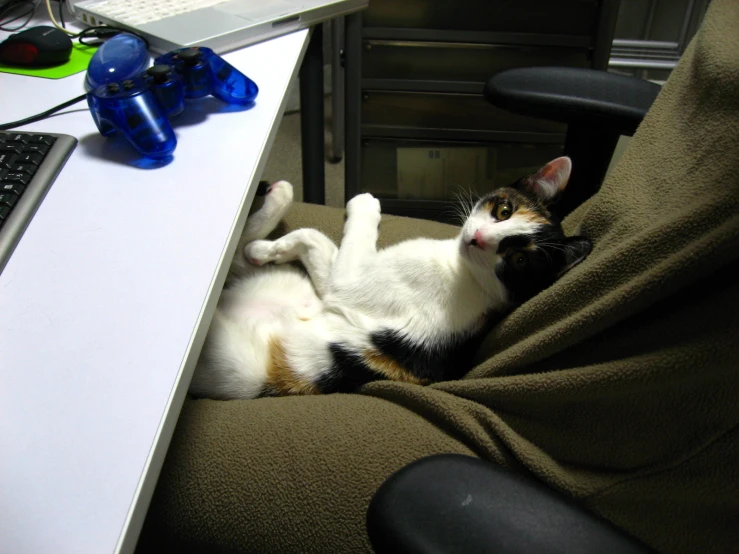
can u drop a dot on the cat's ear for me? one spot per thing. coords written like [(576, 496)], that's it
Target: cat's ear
[(574, 250), (547, 183)]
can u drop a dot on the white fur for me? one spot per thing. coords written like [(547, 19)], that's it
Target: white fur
[(425, 288)]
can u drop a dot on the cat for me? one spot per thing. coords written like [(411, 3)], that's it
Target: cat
[(414, 312)]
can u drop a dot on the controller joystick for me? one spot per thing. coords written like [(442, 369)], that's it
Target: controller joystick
[(195, 72), (205, 72), (160, 73), (167, 87), (191, 56)]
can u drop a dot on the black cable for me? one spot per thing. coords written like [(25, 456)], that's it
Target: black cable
[(7, 10), (44, 115), (104, 32), (100, 32)]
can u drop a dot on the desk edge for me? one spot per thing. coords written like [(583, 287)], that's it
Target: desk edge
[(152, 468)]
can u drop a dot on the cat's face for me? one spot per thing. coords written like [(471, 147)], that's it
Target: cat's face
[(511, 233)]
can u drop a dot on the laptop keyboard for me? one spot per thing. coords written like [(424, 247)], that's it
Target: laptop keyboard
[(138, 12), (29, 164)]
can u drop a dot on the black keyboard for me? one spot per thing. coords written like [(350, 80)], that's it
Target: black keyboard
[(29, 164)]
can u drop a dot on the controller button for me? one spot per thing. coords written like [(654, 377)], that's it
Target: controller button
[(134, 120), (160, 73), (128, 84), (113, 88), (224, 73), (191, 56)]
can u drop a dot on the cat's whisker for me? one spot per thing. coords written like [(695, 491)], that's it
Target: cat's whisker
[(557, 247), (470, 204), (554, 245), (462, 196), (456, 212), (473, 194), (464, 204), (548, 256)]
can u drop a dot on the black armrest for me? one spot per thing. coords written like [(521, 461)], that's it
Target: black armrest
[(451, 504), (572, 95)]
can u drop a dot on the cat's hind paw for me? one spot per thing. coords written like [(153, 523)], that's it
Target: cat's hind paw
[(363, 204), (260, 252), (279, 194)]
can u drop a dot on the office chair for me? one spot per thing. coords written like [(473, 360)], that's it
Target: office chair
[(597, 106), (449, 504)]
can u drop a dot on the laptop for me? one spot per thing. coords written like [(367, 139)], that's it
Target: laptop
[(222, 25)]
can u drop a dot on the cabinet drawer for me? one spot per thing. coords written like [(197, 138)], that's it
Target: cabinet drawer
[(476, 63), (447, 112), (563, 17), (443, 171)]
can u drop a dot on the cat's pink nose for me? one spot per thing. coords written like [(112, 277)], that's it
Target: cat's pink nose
[(478, 240)]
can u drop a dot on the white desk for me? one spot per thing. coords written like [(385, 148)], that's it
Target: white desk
[(105, 303)]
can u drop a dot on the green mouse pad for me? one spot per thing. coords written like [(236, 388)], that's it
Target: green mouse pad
[(78, 61)]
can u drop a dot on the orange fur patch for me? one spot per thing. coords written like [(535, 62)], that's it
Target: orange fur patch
[(488, 206), (281, 379), (531, 215), (389, 368)]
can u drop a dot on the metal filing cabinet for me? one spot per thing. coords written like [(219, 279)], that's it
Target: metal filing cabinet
[(419, 132)]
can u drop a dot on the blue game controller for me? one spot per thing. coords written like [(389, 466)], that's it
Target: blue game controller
[(139, 104)]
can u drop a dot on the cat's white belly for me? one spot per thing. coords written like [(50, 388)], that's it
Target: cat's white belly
[(251, 315), (283, 293), (285, 307)]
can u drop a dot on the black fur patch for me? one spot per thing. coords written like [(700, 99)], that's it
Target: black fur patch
[(348, 371), (548, 254), (443, 361)]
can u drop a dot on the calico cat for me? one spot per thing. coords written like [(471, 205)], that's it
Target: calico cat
[(413, 312)]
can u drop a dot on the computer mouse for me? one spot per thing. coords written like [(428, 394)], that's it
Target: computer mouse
[(37, 46)]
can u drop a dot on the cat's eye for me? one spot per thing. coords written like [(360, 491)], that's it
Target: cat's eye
[(519, 260), (503, 211)]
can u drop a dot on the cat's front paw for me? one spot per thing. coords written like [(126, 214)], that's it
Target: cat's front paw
[(363, 204)]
